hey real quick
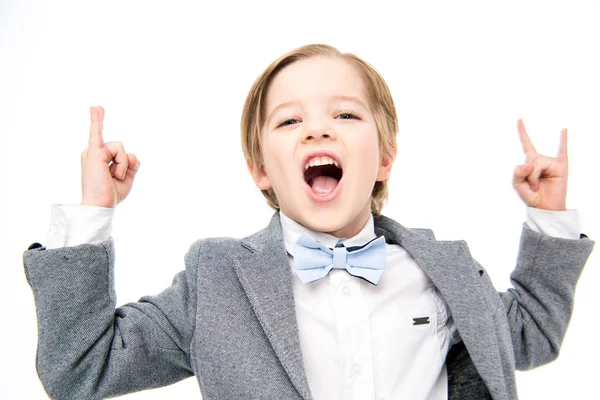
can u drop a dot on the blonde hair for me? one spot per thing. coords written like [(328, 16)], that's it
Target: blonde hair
[(380, 99)]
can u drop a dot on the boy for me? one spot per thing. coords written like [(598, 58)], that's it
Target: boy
[(331, 300)]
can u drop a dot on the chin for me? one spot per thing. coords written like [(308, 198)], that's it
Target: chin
[(328, 221), (334, 217), (322, 220)]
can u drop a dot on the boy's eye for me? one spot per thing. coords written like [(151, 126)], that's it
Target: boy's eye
[(347, 115), (341, 115), (289, 121)]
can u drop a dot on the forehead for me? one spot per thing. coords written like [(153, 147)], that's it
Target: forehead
[(315, 78)]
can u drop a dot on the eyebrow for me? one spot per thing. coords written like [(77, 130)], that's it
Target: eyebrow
[(282, 105), (335, 98), (353, 99)]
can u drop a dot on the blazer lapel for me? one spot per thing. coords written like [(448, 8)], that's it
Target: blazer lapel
[(450, 267), (267, 280)]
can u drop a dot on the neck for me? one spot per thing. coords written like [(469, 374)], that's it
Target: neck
[(353, 228)]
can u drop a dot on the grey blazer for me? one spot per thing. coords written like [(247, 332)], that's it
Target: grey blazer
[(229, 317)]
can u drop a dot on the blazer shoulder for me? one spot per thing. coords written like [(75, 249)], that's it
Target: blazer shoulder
[(387, 226), (214, 247), (211, 259), (220, 249)]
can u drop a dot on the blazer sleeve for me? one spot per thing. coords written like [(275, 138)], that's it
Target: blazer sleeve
[(87, 349), (540, 303)]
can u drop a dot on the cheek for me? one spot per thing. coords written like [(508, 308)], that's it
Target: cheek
[(368, 151), (269, 149), (277, 158)]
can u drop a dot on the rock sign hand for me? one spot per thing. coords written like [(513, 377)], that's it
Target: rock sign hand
[(541, 181)]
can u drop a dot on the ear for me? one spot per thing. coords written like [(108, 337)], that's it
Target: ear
[(385, 166), (260, 176)]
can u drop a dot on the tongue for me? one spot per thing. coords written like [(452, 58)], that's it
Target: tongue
[(324, 185)]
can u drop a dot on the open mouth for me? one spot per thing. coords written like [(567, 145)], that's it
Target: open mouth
[(322, 174)]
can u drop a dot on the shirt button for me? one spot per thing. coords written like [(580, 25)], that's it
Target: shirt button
[(357, 369), (346, 290)]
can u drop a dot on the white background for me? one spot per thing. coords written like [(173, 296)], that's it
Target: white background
[(173, 76)]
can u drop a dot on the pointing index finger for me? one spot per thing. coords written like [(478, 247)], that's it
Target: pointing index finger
[(563, 149), (96, 122), (528, 147)]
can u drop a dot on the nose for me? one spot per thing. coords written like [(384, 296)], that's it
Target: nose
[(318, 130)]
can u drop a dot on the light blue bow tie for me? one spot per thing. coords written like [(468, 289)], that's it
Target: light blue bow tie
[(313, 260)]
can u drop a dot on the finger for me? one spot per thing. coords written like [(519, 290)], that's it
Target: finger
[(119, 157), (534, 177), (96, 122), (134, 166), (522, 172), (563, 148), (528, 146), (534, 182), (520, 177), (112, 168), (124, 186), (134, 163)]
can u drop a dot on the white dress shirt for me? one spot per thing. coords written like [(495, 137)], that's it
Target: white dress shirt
[(358, 340)]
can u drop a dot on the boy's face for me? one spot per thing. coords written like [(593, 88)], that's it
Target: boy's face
[(317, 112)]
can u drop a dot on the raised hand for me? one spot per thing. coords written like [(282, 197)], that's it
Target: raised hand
[(107, 172), (541, 181)]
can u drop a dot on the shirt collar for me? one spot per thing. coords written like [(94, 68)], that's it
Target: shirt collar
[(292, 231)]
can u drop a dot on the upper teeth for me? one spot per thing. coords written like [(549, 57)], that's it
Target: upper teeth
[(315, 161)]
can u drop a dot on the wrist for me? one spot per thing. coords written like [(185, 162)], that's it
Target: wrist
[(97, 203)]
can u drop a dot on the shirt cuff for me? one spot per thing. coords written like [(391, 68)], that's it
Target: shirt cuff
[(560, 224), (72, 225)]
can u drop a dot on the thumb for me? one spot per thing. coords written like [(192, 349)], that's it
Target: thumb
[(522, 172)]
